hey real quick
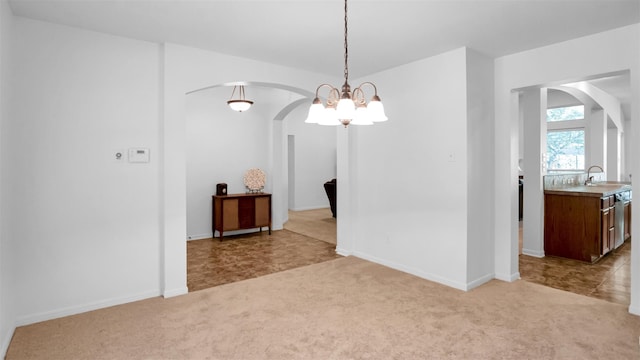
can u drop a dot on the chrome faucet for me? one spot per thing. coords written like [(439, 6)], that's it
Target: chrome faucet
[(589, 177)]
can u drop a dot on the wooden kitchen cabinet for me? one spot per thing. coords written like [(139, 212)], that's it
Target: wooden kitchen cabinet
[(574, 227), (240, 211), (607, 224)]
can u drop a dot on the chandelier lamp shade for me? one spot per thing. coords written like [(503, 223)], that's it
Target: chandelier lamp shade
[(241, 104), (346, 107)]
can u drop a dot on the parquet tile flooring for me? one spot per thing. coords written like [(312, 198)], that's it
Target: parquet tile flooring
[(608, 279), (211, 262)]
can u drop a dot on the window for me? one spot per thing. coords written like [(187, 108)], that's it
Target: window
[(565, 150), (565, 113)]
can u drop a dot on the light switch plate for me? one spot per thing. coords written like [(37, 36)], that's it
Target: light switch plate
[(138, 155)]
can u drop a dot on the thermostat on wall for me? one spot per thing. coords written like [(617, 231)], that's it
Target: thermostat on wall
[(139, 155)]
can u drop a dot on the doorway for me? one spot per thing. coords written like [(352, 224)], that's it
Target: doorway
[(609, 278), (221, 146)]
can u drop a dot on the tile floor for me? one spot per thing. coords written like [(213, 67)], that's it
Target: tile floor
[(211, 262), (608, 279)]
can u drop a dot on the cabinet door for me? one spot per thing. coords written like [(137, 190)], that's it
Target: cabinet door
[(246, 210), (263, 208), (230, 214), (605, 233)]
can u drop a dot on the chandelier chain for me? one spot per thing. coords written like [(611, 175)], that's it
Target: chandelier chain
[(346, 107), (346, 47)]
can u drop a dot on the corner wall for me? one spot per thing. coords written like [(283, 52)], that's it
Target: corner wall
[(7, 306)]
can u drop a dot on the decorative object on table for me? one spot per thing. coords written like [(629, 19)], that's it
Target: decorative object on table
[(254, 180), (241, 104), (221, 189), (346, 107)]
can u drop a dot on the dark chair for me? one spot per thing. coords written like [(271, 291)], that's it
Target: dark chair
[(330, 189)]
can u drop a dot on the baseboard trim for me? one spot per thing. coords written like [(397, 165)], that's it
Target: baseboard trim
[(6, 341), (73, 310), (175, 292), (534, 253), (480, 281), (199, 236), (508, 278), (311, 208), (412, 271), (634, 310), (343, 252)]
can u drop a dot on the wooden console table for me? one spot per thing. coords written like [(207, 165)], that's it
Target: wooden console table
[(241, 211)]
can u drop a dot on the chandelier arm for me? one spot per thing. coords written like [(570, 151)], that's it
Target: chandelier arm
[(334, 97), (358, 97), (233, 92), (375, 89), (331, 88)]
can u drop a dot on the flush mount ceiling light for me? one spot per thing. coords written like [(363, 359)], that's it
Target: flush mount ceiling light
[(346, 107), (241, 104)]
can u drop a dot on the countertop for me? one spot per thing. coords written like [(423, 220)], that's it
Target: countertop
[(596, 190)]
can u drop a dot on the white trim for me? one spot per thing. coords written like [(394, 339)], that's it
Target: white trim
[(480, 281), (175, 292), (310, 208), (7, 341), (343, 252), (508, 278), (72, 310), (199, 236), (534, 253), (416, 272), (634, 310)]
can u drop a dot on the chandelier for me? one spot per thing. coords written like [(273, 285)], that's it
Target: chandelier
[(241, 104), (346, 107)]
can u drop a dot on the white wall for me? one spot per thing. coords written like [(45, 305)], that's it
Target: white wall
[(602, 53), (7, 309), (84, 226), (480, 252), (411, 172), (315, 160)]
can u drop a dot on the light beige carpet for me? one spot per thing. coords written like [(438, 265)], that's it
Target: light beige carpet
[(343, 309), (318, 224)]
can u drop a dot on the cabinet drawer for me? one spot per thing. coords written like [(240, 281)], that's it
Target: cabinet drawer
[(606, 202)]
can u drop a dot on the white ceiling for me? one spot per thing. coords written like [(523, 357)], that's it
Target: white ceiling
[(308, 34)]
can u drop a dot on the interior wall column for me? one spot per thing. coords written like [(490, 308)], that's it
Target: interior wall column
[(596, 139), (534, 111), (614, 154), (278, 166), (344, 216)]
